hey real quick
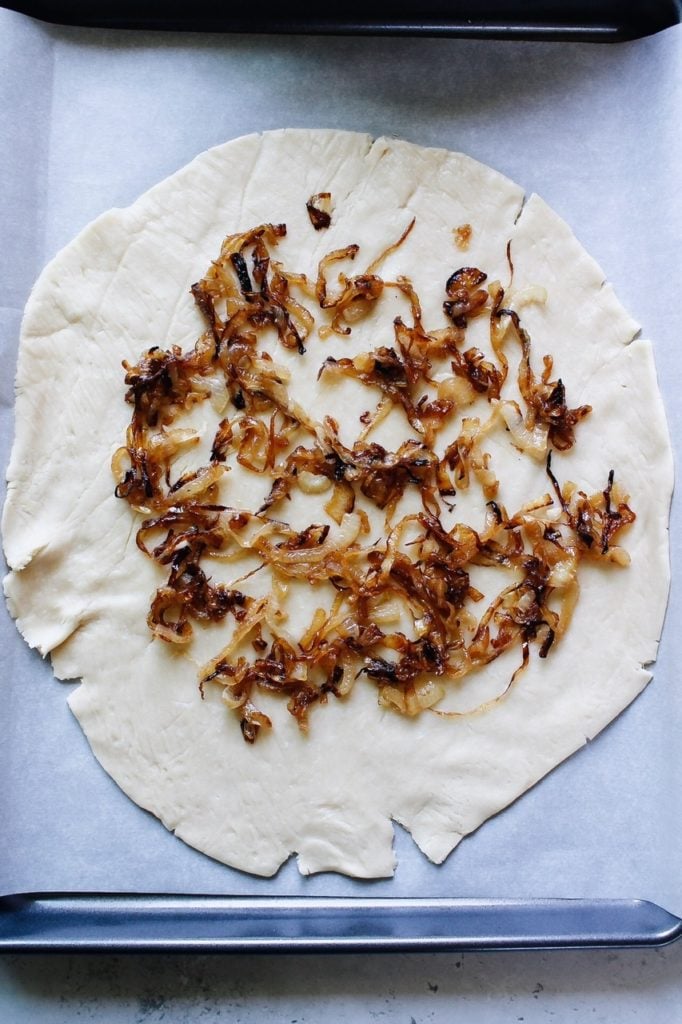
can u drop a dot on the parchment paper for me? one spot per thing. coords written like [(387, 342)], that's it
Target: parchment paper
[(89, 120)]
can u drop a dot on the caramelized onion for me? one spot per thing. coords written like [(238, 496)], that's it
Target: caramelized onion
[(358, 294), (404, 613), (318, 207), (466, 298), (531, 440)]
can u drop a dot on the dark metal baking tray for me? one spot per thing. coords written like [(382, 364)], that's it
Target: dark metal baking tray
[(134, 923), (606, 20)]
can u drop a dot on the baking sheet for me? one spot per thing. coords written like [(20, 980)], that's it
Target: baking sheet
[(92, 118)]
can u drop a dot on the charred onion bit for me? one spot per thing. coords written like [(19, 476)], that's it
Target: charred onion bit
[(402, 606), (383, 369), (263, 301), (484, 376), (318, 210), (358, 294), (382, 476), (594, 519), (545, 399), (466, 299), (189, 594)]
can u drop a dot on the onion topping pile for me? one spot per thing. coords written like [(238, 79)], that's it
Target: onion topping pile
[(399, 609)]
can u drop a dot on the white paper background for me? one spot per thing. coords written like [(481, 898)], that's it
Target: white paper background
[(90, 119)]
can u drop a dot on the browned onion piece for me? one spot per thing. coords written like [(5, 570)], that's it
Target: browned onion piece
[(255, 299), (341, 502), (595, 521), (252, 721), (393, 247), (190, 595), (318, 207), (462, 235), (349, 252), (384, 369), (465, 456), (357, 294), (545, 399), (466, 298)]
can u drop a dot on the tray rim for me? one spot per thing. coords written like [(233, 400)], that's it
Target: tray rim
[(561, 21), (164, 923)]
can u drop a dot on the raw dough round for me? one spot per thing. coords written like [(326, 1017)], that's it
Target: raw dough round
[(80, 588)]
